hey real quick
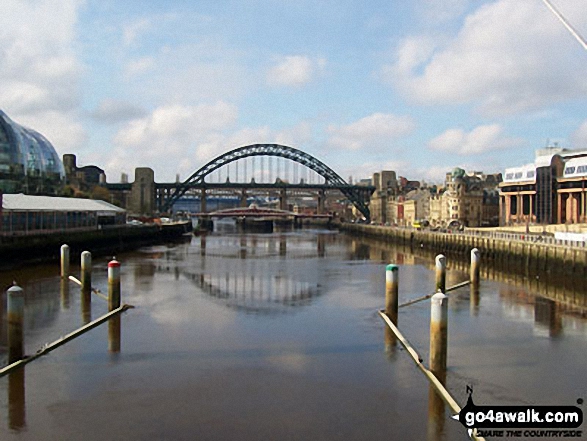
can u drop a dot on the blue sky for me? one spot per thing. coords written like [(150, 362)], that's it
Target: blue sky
[(418, 87)]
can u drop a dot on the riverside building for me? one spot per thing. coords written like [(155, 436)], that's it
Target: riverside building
[(28, 162), (551, 190), (25, 214)]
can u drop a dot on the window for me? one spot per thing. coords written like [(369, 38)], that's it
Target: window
[(530, 174), (569, 170)]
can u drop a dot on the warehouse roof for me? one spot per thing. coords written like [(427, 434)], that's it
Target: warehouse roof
[(22, 202)]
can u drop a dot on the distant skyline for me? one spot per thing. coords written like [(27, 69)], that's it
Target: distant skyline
[(417, 87)]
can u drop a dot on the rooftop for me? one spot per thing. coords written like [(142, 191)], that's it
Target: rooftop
[(22, 202)]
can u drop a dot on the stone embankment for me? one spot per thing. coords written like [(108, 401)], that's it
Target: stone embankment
[(526, 253), (107, 240)]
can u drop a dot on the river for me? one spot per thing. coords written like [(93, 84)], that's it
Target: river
[(277, 336)]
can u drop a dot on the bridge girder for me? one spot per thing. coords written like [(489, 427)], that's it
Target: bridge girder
[(332, 178)]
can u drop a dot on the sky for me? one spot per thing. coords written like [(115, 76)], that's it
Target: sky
[(418, 87)]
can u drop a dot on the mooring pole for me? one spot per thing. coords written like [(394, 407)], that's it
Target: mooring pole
[(86, 284), (86, 272), (113, 284), (15, 306), (475, 266), (64, 261), (439, 335), (441, 273), (114, 303), (391, 291)]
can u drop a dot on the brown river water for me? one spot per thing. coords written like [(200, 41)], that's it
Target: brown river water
[(277, 336)]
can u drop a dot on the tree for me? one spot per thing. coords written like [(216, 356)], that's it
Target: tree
[(100, 193)]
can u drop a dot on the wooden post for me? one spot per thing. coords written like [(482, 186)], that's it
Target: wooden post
[(114, 303), (64, 261), (441, 273), (439, 335), (15, 313), (391, 291), (475, 266)]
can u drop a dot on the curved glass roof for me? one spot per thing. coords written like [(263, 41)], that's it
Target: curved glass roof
[(26, 151)]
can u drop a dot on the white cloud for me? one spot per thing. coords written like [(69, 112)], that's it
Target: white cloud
[(373, 131), (363, 170), (435, 12), (132, 31), (180, 139), (165, 138), (435, 174), (174, 128), (39, 70), (61, 129), (579, 137), (508, 57), (217, 144), (111, 111), (481, 139), (202, 71), (295, 70), (138, 66)]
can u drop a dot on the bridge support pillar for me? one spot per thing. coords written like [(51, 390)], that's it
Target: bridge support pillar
[(203, 200), (321, 200), (283, 199), (243, 199)]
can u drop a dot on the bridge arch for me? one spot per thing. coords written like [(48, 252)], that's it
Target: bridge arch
[(281, 151)]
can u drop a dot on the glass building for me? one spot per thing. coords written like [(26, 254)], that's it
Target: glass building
[(28, 162)]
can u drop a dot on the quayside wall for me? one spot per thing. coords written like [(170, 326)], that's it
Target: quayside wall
[(109, 240), (525, 254)]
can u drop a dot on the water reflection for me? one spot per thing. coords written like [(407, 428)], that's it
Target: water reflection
[(262, 246), (114, 334), (474, 299), (144, 272), (86, 307), (390, 342), (436, 416), (64, 290), (256, 293), (552, 303), (16, 400), (547, 317), (42, 306)]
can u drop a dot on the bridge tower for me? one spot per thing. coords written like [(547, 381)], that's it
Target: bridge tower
[(142, 194)]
